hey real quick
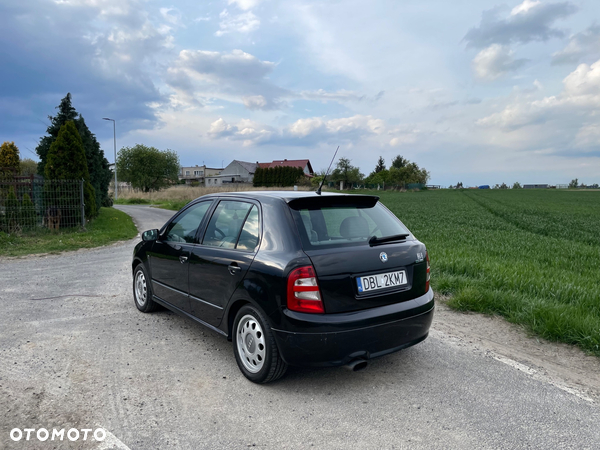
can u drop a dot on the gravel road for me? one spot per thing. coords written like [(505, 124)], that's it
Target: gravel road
[(75, 353)]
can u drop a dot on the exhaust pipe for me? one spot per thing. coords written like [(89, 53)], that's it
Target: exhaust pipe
[(356, 365)]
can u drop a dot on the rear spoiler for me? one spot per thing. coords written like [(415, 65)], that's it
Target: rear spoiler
[(324, 201)]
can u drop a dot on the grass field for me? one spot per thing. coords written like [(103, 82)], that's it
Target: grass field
[(111, 225), (532, 256)]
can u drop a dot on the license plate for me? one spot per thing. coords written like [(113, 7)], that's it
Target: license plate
[(381, 281)]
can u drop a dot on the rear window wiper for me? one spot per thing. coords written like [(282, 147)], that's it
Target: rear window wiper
[(374, 240)]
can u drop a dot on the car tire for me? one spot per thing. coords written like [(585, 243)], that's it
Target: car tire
[(142, 290), (254, 347)]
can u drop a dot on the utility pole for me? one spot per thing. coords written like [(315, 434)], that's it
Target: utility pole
[(115, 142)]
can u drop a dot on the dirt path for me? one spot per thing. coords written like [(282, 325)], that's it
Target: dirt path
[(563, 365)]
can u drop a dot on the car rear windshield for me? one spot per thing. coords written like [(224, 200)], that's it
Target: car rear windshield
[(344, 225)]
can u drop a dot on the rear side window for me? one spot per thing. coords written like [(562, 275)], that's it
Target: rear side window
[(234, 224), (249, 236), (345, 225)]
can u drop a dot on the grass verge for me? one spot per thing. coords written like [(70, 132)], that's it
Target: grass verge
[(111, 225), (173, 205)]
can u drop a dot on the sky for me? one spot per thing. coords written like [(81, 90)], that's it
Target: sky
[(480, 92)]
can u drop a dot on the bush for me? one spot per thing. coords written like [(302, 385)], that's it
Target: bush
[(107, 202), (279, 176), (28, 217), (11, 212)]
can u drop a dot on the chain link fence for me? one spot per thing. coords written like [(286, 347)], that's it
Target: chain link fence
[(33, 203)]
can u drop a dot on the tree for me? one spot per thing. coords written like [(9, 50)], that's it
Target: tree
[(66, 161), (66, 113), (9, 156), (402, 172), (380, 178), (318, 176), (399, 162), (100, 174), (148, 168), (346, 172), (27, 167), (517, 185), (574, 183), (410, 173), (258, 179), (98, 167)]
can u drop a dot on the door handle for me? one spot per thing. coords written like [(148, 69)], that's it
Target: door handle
[(234, 268), (183, 259)]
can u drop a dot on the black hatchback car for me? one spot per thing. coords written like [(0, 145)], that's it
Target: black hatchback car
[(292, 278)]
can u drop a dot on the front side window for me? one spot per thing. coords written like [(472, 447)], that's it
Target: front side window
[(183, 228), (233, 221)]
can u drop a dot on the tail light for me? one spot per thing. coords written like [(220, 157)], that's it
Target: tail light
[(428, 272), (303, 293)]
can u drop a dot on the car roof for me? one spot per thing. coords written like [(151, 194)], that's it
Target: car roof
[(286, 196)]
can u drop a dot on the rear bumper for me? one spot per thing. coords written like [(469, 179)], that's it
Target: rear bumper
[(342, 338)]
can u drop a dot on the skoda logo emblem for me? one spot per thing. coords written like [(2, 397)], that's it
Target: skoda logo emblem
[(383, 256)]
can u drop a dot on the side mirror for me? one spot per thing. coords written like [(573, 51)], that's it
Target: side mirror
[(150, 235)]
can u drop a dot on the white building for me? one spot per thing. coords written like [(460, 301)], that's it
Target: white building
[(235, 172), (197, 173)]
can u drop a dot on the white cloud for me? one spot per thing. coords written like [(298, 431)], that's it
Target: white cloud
[(236, 77), (588, 137), (244, 4), (241, 23), (338, 96), (220, 128), (495, 61), (586, 43), (407, 134), (529, 21), (312, 129), (583, 82), (171, 15), (524, 7), (255, 102), (247, 131), (562, 121)]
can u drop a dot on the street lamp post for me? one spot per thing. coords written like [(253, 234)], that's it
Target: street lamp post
[(115, 142)]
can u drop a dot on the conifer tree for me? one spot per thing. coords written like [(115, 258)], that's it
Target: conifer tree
[(66, 112), (98, 167), (9, 156), (66, 161)]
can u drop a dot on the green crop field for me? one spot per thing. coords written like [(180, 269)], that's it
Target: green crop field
[(532, 256)]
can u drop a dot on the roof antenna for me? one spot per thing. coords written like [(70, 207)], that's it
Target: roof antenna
[(327, 173)]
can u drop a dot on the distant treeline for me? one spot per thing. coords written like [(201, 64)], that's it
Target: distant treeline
[(277, 176)]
